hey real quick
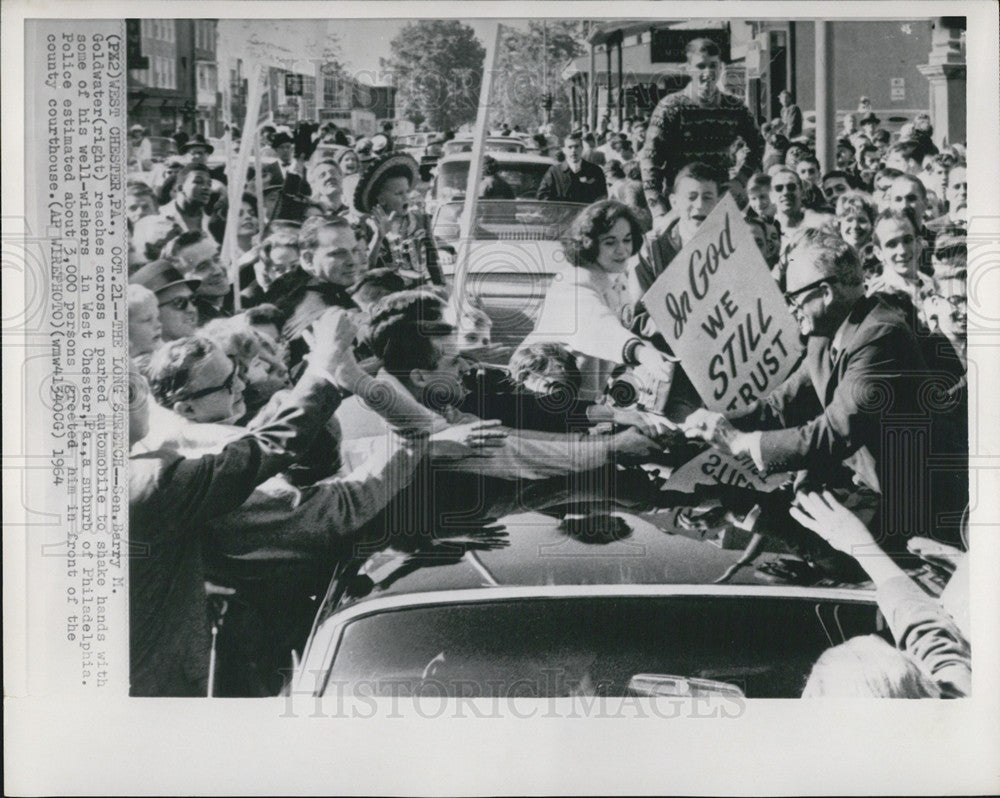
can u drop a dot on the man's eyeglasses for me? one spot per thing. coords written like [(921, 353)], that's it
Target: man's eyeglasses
[(780, 188), (796, 299), (227, 385), (179, 303)]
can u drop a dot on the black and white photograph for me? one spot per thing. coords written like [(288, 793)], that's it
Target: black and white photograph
[(596, 367)]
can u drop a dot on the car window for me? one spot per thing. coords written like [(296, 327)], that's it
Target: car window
[(523, 178), (511, 145), (509, 220), (584, 646)]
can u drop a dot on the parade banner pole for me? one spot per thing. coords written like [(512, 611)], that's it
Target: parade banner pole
[(258, 181), (237, 182), (475, 167)]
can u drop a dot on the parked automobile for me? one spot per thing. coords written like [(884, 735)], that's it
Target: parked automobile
[(522, 172), (535, 606), (514, 251), (493, 144)]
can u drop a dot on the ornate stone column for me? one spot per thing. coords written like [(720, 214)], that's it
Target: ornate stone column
[(945, 71)]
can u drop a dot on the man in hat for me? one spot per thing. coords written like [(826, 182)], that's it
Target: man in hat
[(698, 123), (197, 149), (406, 240), (174, 296), (573, 180), (140, 151), (285, 171), (869, 124)]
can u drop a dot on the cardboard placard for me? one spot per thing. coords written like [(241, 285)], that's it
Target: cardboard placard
[(720, 310)]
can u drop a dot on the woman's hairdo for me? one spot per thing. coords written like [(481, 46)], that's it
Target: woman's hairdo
[(855, 203), (582, 240)]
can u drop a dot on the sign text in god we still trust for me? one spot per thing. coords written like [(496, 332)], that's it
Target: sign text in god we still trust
[(720, 310)]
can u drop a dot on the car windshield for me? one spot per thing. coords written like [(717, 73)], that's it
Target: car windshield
[(594, 646), (524, 178), (492, 145), (508, 220)]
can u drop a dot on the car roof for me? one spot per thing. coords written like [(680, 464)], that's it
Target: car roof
[(534, 550), (501, 158)]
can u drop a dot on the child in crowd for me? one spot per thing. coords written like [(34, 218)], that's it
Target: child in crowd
[(144, 326)]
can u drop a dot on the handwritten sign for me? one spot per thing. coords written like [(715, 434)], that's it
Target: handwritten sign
[(720, 310)]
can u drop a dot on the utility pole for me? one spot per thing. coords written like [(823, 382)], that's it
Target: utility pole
[(546, 98), (826, 107)]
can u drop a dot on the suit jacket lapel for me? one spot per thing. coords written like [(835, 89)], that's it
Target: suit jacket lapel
[(832, 369)]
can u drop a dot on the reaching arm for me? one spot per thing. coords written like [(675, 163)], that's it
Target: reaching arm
[(918, 623)]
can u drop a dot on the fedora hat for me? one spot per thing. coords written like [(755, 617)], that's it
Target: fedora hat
[(397, 164), (197, 140), (161, 275)]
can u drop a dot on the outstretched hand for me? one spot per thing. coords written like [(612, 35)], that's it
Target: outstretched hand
[(474, 439), (833, 522), (713, 428)]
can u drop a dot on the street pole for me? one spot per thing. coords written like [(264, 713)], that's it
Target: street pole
[(475, 168), (826, 113), (592, 89), (547, 115), (237, 181)]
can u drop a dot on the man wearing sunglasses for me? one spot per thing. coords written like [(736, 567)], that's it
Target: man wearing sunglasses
[(174, 296), (197, 379), (861, 377), (791, 214)]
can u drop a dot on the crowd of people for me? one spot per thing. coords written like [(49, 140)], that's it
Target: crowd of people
[(274, 421)]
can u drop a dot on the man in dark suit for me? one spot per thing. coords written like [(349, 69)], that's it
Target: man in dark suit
[(286, 172), (860, 413), (573, 180)]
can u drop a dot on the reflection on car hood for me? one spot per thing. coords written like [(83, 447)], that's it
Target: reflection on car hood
[(535, 549)]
